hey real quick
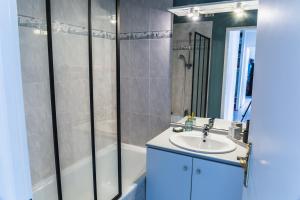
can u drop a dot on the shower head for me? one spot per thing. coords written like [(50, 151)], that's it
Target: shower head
[(187, 65), (182, 58)]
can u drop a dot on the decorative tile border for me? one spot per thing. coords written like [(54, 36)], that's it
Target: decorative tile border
[(185, 48), (31, 22), (146, 35), (184, 45), (59, 27)]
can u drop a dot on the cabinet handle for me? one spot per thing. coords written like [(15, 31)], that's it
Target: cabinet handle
[(185, 168), (198, 171)]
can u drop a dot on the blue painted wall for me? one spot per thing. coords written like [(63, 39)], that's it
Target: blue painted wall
[(220, 23)]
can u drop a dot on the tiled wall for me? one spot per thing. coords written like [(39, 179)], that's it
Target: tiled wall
[(181, 101), (70, 56), (145, 69)]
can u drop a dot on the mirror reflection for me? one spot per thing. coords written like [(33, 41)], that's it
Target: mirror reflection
[(213, 62)]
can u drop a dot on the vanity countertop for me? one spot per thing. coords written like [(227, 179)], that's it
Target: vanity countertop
[(162, 142)]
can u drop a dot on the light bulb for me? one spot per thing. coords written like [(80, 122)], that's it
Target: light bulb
[(239, 11), (241, 14), (113, 19), (191, 13), (196, 17)]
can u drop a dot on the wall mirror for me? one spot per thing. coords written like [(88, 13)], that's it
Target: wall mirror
[(213, 59)]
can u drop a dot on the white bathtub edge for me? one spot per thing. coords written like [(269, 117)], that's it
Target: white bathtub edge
[(43, 183)]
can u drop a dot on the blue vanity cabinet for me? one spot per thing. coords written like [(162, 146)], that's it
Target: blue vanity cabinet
[(172, 176), (168, 176), (216, 181)]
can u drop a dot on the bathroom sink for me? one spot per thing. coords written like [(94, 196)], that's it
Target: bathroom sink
[(193, 141)]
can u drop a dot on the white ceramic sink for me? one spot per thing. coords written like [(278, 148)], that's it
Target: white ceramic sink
[(193, 141)]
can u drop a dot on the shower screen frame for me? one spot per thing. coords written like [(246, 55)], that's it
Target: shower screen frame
[(91, 92), (200, 77)]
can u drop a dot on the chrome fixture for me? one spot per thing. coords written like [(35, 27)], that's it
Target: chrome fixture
[(205, 132), (207, 128), (186, 65), (211, 122)]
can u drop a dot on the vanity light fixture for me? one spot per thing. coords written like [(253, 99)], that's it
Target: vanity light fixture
[(193, 14), (113, 19), (239, 6)]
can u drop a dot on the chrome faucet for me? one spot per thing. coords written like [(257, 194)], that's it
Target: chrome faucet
[(207, 127), (211, 122), (205, 132)]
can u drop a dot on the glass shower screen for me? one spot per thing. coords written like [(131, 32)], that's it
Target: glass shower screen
[(85, 87), (200, 74), (103, 18)]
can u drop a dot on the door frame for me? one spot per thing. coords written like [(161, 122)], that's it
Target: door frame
[(15, 181), (225, 74)]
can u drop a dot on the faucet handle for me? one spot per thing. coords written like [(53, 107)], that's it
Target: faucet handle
[(211, 122), (206, 127)]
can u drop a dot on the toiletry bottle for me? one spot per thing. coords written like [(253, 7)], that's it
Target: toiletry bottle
[(246, 133), (189, 124)]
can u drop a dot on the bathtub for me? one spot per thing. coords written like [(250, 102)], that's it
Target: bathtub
[(77, 178)]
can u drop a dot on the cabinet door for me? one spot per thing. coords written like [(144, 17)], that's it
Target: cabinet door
[(168, 176), (216, 181)]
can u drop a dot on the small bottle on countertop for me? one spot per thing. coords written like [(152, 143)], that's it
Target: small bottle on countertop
[(189, 124), (246, 133), (235, 130)]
